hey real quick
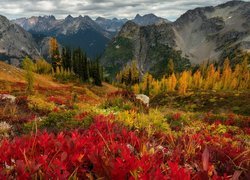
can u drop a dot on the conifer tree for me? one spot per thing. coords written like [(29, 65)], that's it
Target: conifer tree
[(183, 83), (164, 85), (226, 74), (245, 75), (54, 53), (172, 81), (28, 66), (210, 79), (197, 80), (76, 61), (66, 58)]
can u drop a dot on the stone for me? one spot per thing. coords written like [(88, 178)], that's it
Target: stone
[(143, 98), (9, 97)]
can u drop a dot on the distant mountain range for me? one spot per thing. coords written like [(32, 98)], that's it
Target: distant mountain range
[(75, 32), (111, 25), (200, 34), (90, 35)]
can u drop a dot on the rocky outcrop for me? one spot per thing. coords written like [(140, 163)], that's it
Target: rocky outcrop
[(149, 19), (15, 43), (143, 98), (207, 33), (8, 97)]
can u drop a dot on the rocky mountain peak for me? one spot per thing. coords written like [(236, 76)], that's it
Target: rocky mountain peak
[(15, 42), (128, 27), (148, 19), (69, 18), (110, 25), (88, 18), (231, 3), (47, 18), (137, 16), (100, 19)]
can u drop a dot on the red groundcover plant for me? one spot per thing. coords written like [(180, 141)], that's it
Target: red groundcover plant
[(105, 150), (108, 150)]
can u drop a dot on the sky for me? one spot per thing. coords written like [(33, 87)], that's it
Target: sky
[(170, 9)]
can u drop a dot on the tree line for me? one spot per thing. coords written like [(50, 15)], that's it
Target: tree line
[(74, 62), (208, 76)]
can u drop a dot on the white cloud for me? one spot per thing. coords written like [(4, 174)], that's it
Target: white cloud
[(170, 9)]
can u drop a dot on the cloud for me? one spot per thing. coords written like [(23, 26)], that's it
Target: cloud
[(170, 9)]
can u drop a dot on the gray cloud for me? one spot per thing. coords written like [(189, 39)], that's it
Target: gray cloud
[(170, 9)]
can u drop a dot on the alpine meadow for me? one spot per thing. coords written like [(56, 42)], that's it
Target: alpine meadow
[(137, 90)]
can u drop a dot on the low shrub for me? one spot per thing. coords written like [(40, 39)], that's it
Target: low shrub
[(40, 105), (61, 121), (105, 150), (152, 122), (124, 100)]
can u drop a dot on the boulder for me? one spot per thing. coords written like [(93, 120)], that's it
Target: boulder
[(9, 97), (143, 98)]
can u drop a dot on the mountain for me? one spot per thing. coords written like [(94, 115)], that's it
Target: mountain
[(209, 33), (15, 42), (214, 32), (74, 32), (92, 36), (151, 46), (148, 19), (111, 25), (37, 24)]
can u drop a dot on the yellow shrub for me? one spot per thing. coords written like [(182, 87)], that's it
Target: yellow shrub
[(39, 104), (152, 122)]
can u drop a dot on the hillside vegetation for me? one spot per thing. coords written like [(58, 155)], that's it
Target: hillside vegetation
[(165, 101), (78, 130)]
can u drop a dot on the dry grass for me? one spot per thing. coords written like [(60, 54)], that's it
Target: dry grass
[(10, 75), (13, 74), (102, 90)]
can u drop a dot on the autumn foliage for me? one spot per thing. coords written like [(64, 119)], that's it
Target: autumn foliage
[(205, 78)]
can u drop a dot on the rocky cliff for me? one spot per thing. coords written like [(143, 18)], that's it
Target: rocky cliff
[(213, 32), (16, 43)]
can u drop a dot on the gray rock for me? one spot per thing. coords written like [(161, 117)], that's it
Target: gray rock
[(9, 97), (143, 98), (149, 19), (15, 42)]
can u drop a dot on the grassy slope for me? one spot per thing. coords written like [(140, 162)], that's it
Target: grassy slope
[(207, 101), (10, 75), (13, 74)]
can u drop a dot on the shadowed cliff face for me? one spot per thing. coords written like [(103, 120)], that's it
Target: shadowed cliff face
[(207, 33), (15, 42), (151, 46)]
